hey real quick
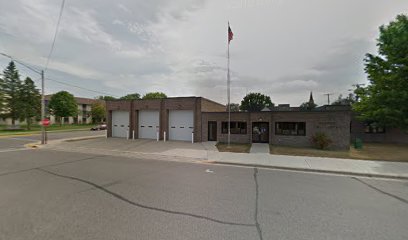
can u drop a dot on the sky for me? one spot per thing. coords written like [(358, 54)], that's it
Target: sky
[(281, 48)]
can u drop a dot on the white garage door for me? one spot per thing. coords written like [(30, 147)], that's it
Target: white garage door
[(120, 123), (181, 124), (148, 124)]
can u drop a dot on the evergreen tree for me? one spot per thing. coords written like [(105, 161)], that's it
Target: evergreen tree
[(2, 99), (11, 92), (30, 102)]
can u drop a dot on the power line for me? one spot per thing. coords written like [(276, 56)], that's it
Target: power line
[(21, 63), (72, 85), (55, 35), (60, 82)]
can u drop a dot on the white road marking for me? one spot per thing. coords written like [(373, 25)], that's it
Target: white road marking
[(209, 171)]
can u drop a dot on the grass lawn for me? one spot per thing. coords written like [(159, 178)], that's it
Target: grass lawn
[(37, 128), (234, 147), (370, 151)]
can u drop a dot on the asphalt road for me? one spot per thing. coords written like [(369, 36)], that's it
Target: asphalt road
[(59, 195), (18, 142)]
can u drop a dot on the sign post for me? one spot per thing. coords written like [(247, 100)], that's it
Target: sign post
[(45, 123)]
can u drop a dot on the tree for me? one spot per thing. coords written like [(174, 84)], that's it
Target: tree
[(131, 96), (310, 104), (106, 98), (98, 111), (385, 99), (63, 104), (2, 98), (154, 95), (254, 102), (234, 107), (348, 101), (30, 102), (10, 89)]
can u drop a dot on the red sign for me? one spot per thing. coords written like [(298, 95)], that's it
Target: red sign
[(45, 122)]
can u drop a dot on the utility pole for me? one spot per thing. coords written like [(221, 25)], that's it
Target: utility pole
[(328, 97), (42, 108)]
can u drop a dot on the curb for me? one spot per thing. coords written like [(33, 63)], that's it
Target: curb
[(39, 132), (312, 170), (38, 144)]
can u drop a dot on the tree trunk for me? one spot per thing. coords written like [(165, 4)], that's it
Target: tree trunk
[(28, 120)]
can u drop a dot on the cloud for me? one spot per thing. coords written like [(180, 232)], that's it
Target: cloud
[(281, 48)]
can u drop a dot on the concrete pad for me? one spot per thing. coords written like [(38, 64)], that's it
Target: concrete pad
[(259, 148)]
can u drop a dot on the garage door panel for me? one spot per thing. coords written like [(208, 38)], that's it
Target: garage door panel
[(181, 123), (120, 123), (148, 124)]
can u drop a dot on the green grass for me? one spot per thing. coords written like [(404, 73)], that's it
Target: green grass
[(234, 147), (37, 128), (370, 151)]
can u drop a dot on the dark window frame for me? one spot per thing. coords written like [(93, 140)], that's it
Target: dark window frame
[(237, 127), (290, 128)]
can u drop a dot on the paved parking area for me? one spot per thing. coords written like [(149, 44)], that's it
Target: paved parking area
[(140, 146)]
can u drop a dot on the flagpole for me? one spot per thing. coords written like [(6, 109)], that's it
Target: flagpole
[(229, 93)]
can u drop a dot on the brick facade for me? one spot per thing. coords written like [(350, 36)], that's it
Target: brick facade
[(333, 122), (163, 106), (390, 135), (336, 124)]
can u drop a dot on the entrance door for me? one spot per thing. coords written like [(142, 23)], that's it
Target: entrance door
[(260, 132), (212, 131)]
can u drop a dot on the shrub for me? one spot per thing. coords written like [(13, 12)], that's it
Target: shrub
[(321, 140)]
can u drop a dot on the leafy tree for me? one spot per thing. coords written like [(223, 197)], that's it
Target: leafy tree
[(131, 96), (385, 99), (254, 102), (30, 102), (310, 104), (106, 98), (234, 107), (11, 86), (98, 111), (349, 100), (63, 104), (154, 95)]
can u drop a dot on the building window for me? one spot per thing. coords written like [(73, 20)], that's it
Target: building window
[(236, 127), (290, 128), (373, 128)]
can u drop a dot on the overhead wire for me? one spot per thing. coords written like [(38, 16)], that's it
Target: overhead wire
[(55, 35), (53, 80)]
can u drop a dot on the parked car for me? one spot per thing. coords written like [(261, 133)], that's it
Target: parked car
[(99, 127)]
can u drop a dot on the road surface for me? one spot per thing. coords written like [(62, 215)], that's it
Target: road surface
[(60, 195)]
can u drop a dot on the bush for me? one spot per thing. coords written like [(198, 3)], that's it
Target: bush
[(321, 140)]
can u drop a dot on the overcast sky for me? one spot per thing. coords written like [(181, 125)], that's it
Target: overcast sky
[(283, 48)]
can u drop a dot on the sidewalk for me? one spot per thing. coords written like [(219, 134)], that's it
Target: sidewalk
[(207, 152), (314, 164)]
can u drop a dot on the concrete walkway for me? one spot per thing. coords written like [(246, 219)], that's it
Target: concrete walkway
[(207, 152), (259, 148), (314, 164)]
